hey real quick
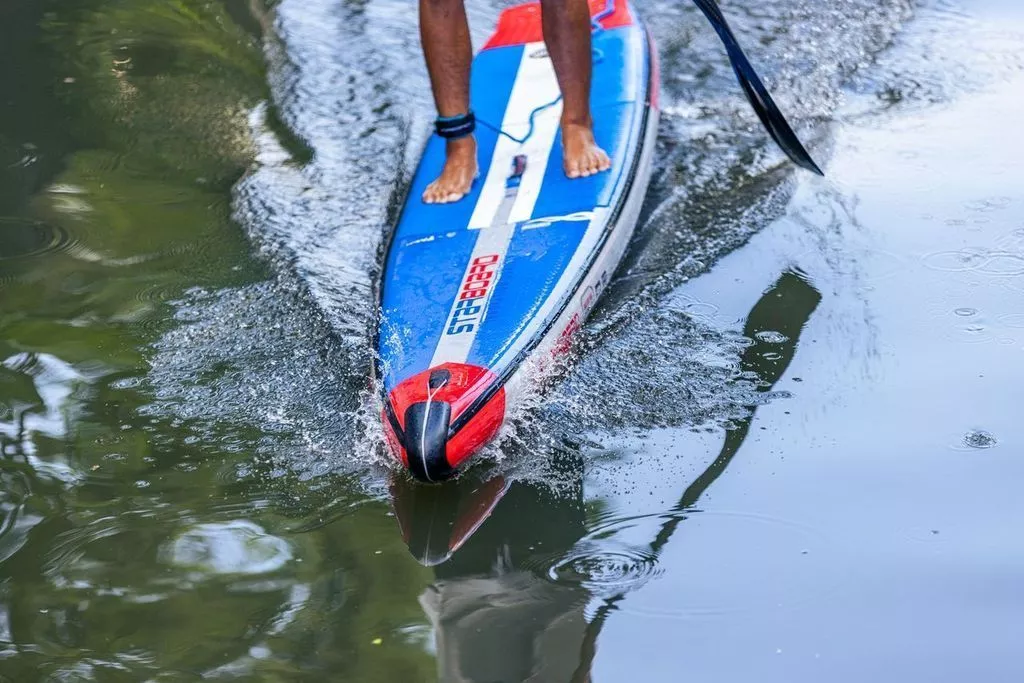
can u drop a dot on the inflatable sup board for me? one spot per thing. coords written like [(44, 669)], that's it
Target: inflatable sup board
[(477, 294)]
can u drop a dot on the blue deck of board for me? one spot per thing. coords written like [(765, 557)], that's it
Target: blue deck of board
[(432, 244)]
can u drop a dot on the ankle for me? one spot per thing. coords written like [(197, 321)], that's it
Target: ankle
[(577, 121), (463, 145)]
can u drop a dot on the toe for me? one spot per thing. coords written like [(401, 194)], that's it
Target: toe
[(590, 164), (572, 168), (433, 193)]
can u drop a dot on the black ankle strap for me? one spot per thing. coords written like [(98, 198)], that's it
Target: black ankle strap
[(452, 127)]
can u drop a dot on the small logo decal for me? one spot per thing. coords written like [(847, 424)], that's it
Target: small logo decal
[(547, 221), (473, 295)]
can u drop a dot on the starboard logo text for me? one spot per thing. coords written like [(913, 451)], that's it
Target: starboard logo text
[(473, 294)]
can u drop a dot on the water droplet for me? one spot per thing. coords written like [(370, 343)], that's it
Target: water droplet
[(236, 547), (771, 337), (954, 261), (126, 383), (972, 333), (24, 238), (1004, 263), (605, 568), (1012, 320), (979, 438)]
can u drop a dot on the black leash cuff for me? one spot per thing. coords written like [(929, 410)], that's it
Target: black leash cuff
[(453, 127)]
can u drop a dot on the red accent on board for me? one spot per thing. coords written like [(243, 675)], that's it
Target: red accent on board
[(464, 386), (392, 439), (481, 504), (473, 506), (655, 85), (565, 339), (520, 24)]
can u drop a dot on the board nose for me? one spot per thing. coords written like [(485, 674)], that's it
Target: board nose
[(437, 419), (426, 440)]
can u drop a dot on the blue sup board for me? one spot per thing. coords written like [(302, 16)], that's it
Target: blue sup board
[(479, 296)]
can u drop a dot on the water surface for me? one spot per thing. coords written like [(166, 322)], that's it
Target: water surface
[(786, 449)]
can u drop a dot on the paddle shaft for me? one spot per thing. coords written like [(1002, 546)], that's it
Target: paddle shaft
[(755, 91)]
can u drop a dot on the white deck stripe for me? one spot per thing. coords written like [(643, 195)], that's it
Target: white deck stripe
[(537, 149), (498, 208), (535, 86), (454, 348)]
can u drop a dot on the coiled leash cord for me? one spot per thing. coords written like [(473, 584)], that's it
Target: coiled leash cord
[(454, 127)]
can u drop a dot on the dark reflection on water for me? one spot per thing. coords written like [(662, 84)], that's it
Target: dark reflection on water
[(497, 616), (773, 326), (511, 590)]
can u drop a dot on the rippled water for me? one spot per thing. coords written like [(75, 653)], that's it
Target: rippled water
[(784, 451)]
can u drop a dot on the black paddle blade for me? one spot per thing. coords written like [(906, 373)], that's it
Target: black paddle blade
[(755, 91)]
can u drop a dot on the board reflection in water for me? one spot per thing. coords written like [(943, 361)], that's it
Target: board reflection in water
[(498, 611)]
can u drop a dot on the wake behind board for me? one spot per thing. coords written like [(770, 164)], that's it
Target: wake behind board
[(476, 293)]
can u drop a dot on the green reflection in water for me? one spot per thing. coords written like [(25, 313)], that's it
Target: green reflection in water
[(128, 550)]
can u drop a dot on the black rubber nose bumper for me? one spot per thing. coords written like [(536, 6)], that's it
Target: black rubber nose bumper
[(426, 440)]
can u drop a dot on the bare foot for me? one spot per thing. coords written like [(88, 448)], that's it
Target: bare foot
[(458, 173), (580, 154)]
